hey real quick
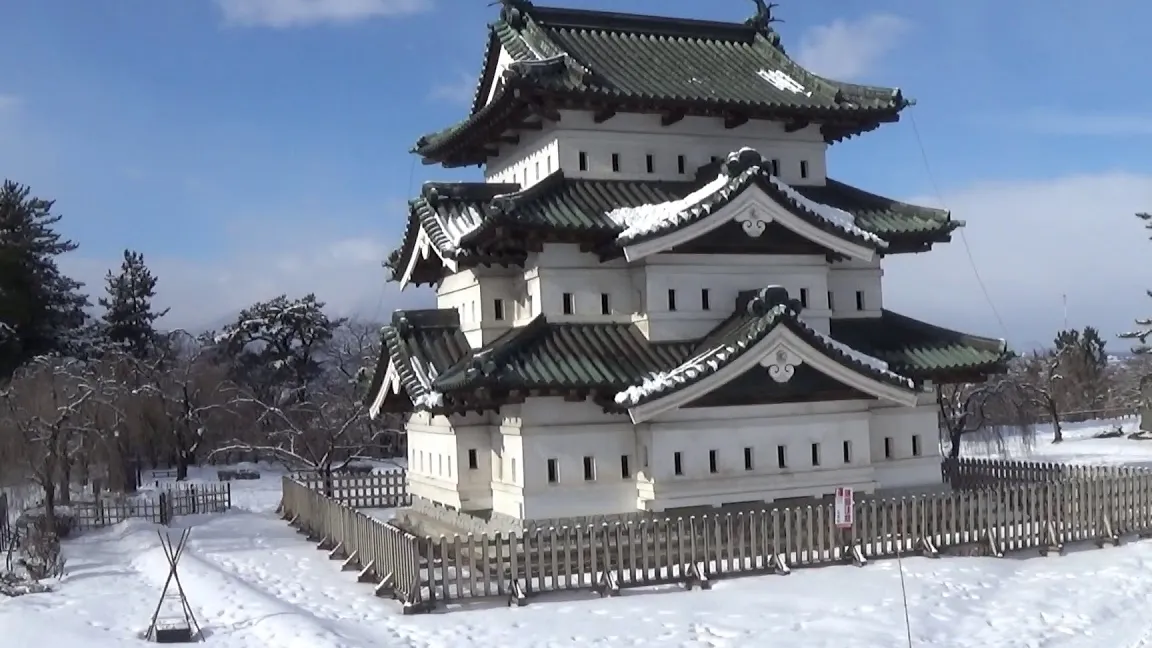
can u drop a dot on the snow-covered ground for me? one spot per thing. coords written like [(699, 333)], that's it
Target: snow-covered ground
[(254, 582), (1080, 445)]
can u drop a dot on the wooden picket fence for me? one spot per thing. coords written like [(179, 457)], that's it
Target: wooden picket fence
[(173, 501), (373, 490), (1098, 504)]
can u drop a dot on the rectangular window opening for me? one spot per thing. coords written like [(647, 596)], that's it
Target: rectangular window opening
[(605, 304), (782, 456), (589, 469), (775, 167), (747, 458), (498, 309), (705, 302), (681, 165), (831, 302), (915, 445), (650, 163), (553, 471), (803, 168), (671, 299), (815, 454), (569, 303), (513, 470), (804, 298), (887, 447), (712, 463), (859, 300), (847, 452), (583, 161), (677, 463), (473, 459), (625, 469), (616, 163)]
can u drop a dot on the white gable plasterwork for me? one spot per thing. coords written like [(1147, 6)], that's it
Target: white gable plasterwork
[(423, 250), (390, 385), (754, 210), (780, 352)]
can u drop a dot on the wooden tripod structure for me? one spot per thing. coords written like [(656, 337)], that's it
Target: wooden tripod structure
[(174, 629)]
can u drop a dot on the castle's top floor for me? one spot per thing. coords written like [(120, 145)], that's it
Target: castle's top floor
[(543, 61)]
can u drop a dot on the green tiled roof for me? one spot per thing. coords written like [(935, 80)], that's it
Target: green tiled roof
[(882, 216), (919, 349), (439, 371), (648, 62)]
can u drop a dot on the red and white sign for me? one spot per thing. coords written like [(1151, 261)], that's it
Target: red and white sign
[(845, 508)]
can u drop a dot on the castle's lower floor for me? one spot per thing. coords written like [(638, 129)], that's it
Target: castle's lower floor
[(550, 458)]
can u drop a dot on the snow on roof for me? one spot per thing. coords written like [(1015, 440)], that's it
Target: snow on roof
[(835, 216), (457, 227), (784, 82), (430, 397), (874, 363)]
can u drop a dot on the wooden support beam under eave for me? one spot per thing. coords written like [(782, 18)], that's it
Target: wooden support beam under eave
[(669, 118), (735, 120)]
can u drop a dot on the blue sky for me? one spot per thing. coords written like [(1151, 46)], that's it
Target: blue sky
[(252, 147)]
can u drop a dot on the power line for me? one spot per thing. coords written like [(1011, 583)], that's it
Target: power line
[(963, 237), (384, 285)]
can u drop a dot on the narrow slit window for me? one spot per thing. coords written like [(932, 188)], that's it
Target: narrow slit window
[(815, 454), (513, 469), (915, 445), (498, 309), (775, 167), (831, 302), (650, 163), (747, 458), (473, 459), (625, 468), (569, 303), (553, 471), (589, 469), (803, 168), (677, 463), (681, 165), (616, 163), (671, 299), (583, 161), (713, 464), (705, 302), (537, 169), (782, 456), (605, 304), (847, 452), (804, 298), (859, 300), (887, 447)]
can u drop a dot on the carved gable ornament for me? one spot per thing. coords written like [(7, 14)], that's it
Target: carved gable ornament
[(781, 363), (752, 221)]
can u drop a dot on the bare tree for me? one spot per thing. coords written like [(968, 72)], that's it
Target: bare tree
[(1034, 387)]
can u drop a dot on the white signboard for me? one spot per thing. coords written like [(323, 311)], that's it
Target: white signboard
[(845, 508)]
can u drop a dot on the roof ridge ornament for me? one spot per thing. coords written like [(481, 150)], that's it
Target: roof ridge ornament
[(762, 22), (513, 12), (740, 161), (768, 298)]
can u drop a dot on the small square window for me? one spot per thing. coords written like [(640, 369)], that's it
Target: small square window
[(815, 454), (677, 463), (583, 161), (713, 466), (605, 304), (804, 298), (671, 299), (915, 445), (782, 456), (705, 302), (473, 460), (553, 471), (650, 163), (569, 303), (589, 469), (859, 300), (681, 165), (803, 168), (747, 458), (616, 163), (847, 452), (498, 309), (625, 469), (887, 447)]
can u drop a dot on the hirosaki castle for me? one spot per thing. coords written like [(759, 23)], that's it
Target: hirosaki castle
[(658, 298)]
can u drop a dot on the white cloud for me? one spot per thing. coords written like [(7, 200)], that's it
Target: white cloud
[(345, 273), (460, 91), (1034, 242), (850, 49), (298, 13), (1058, 122)]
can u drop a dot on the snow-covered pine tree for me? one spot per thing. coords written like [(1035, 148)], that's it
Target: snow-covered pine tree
[(129, 320), (41, 310), (1144, 331)]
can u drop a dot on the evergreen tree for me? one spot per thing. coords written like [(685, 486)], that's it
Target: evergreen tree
[(41, 310), (129, 320)]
